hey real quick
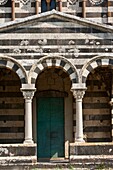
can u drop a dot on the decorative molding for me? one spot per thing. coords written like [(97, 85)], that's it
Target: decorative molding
[(72, 2), (24, 1), (96, 2), (3, 2)]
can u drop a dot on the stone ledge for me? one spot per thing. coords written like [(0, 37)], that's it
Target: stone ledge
[(91, 149), (18, 160), (17, 150)]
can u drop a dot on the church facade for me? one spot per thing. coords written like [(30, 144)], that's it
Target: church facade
[(56, 78)]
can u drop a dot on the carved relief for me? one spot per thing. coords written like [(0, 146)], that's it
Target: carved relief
[(75, 51), (72, 50), (17, 51), (2, 2), (38, 49), (28, 94), (24, 42), (78, 94)]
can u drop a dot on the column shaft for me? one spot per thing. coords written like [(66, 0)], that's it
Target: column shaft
[(13, 10), (28, 121), (84, 8), (60, 5), (28, 93), (37, 7), (79, 120), (78, 94)]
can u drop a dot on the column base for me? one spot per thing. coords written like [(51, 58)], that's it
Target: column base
[(80, 140), (28, 141)]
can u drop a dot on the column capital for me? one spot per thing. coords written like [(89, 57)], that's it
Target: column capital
[(28, 91), (78, 94), (28, 94), (78, 90)]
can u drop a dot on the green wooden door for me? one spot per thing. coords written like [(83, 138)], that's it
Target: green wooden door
[(50, 128)]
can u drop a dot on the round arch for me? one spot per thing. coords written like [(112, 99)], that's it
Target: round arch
[(13, 65), (45, 62), (94, 63)]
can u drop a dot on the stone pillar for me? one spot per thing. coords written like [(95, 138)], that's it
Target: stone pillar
[(78, 95), (28, 95), (13, 10)]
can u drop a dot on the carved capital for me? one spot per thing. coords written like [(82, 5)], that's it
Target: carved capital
[(28, 93), (78, 94)]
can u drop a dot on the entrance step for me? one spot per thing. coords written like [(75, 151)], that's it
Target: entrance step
[(91, 148), (18, 160), (30, 163), (17, 150)]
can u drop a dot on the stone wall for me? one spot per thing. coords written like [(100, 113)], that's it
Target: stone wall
[(96, 11), (96, 107), (11, 108)]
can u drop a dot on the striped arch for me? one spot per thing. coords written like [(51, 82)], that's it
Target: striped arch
[(56, 62), (92, 64), (13, 65)]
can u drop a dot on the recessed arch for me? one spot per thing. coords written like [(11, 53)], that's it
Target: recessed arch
[(12, 64), (45, 62), (94, 63)]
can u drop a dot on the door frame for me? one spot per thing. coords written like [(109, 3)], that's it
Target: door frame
[(68, 122)]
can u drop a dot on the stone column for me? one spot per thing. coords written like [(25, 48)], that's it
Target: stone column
[(60, 5), (78, 95), (28, 95), (84, 8), (37, 6), (13, 10)]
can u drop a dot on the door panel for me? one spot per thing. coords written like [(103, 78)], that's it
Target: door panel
[(57, 127), (50, 127), (43, 128)]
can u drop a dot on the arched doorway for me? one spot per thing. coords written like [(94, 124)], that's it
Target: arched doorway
[(96, 107), (54, 113), (11, 108)]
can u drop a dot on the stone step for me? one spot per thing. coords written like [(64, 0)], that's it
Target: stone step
[(30, 162), (17, 150), (18, 160)]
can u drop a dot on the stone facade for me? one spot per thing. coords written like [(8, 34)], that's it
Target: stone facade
[(56, 54)]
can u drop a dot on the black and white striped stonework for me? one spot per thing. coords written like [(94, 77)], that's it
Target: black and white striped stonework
[(14, 67), (72, 40), (54, 62), (11, 106), (99, 13), (92, 65)]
